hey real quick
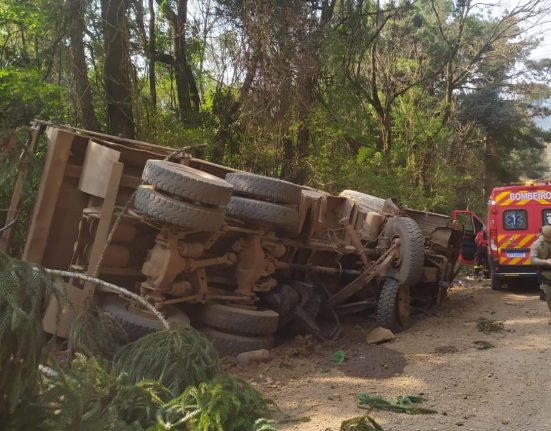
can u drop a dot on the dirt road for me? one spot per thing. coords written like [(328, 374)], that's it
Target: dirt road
[(507, 387)]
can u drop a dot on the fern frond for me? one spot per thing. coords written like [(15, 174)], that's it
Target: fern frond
[(24, 293), (177, 358), (94, 332), (223, 404)]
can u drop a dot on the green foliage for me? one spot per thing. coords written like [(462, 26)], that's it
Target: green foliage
[(163, 128), (177, 358), (92, 394), (223, 404), (24, 292), (400, 404), (489, 326), (24, 95), (405, 110), (361, 423), (96, 333), (90, 397), (15, 158), (338, 357)]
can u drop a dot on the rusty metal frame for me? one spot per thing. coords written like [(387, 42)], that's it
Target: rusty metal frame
[(374, 269)]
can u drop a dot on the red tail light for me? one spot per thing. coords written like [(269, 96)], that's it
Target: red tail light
[(493, 242)]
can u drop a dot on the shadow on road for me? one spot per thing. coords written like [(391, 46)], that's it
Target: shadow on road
[(376, 362)]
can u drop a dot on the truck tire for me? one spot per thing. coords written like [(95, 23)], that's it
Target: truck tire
[(263, 212), (239, 320), (393, 307), (135, 323), (231, 344), (179, 213), (409, 268), (188, 183), (495, 282), (265, 188), (372, 203)]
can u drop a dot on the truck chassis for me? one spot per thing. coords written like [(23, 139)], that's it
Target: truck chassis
[(244, 257)]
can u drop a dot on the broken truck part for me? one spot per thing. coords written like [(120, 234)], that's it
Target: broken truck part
[(241, 255)]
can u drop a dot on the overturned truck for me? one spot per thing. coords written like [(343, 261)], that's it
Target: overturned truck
[(242, 256)]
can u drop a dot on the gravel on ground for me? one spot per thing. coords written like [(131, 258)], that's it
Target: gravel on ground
[(496, 380)]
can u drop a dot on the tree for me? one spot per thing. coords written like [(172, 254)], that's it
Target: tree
[(118, 91), (424, 100), (186, 86), (281, 65), (75, 25), (472, 41)]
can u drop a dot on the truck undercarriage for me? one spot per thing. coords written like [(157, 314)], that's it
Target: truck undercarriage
[(242, 256)]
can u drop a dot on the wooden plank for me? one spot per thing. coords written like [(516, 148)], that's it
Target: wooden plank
[(96, 170), (124, 141), (64, 227), (104, 226), (129, 181), (59, 148)]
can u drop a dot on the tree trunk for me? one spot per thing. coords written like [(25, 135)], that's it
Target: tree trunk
[(307, 78), (152, 48), (118, 90), (490, 166), (229, 116), (75, 25), (387, 129), (308, 71), (186, 88)]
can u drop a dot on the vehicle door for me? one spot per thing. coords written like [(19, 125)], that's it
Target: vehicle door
[(472, 224)]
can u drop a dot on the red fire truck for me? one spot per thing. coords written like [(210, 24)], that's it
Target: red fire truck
[(515, 217)]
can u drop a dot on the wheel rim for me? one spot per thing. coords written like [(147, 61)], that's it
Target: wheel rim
[(403, 307)]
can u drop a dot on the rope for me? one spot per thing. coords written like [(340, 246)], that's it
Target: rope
[(113, 288)]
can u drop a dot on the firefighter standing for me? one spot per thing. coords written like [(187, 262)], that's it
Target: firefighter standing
[(481, 255), (540, 254)]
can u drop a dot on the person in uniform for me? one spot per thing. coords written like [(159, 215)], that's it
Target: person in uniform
[(540, 254), (481, 255)]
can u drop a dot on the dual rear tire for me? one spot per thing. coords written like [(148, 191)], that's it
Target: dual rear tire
[(233, 330), (264, 200), (182, 196), (135, 321), (195, 200)]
